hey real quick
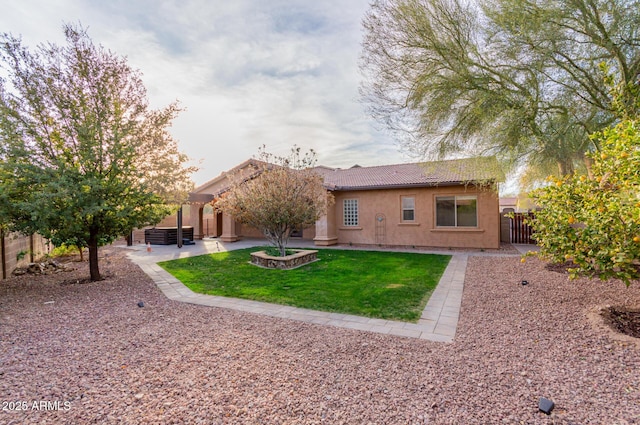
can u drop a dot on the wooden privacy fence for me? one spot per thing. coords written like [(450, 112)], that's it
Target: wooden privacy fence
[(519, 231)]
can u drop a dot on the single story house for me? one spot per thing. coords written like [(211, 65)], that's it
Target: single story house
[(446, 204)]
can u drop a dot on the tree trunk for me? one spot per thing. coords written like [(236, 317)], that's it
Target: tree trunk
[(565, 167), (94, 270), (588, 163), (280, 245)]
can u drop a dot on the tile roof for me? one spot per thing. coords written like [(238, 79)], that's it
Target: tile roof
[(446, 172), (449, 172)]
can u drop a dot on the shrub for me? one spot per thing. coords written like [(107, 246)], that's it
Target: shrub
[(594, 221)]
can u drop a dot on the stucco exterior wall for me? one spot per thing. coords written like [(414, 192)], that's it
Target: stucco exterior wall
[(379, 219), (380, 223), (251, 232), (392, 230)]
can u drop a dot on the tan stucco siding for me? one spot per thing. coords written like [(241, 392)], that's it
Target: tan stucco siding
[(246, 231), (309, 233), (421, 231)]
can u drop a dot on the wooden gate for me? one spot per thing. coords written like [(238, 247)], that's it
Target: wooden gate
[(520, 231)]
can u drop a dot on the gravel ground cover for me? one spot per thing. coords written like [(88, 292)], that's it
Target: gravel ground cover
[(86, 353)]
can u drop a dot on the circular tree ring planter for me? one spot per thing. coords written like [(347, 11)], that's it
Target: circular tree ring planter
[(300, 258), (596, 316)]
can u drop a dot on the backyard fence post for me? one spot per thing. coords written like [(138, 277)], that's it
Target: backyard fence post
[(3, 261), (31, 255), (180, 227)]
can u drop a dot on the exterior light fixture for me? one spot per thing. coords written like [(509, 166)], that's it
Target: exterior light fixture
[(545, 405)]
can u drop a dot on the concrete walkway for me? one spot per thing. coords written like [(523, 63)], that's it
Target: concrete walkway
[(438, 322)]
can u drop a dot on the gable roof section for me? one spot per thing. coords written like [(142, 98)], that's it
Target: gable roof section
[(443, 173), (215, 184)]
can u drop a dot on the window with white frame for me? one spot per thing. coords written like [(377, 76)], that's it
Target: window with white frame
[(408, 208), (457, 211), (350, 209)]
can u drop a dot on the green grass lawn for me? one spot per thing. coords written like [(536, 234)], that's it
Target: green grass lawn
[(385, 285)]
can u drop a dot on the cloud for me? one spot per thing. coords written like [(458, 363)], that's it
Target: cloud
[(247, 72)]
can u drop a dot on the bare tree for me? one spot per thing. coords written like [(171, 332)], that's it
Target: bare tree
[(278, 195)]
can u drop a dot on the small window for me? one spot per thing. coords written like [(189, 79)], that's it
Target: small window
[(408, 208), (350, 212), (456, 211)]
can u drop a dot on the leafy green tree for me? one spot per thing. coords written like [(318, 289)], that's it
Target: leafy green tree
[(277, 195), (83, 158), (522, 79)]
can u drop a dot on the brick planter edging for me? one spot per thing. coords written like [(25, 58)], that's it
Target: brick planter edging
[(300, 258)]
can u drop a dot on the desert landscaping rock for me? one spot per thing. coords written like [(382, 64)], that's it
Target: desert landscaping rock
[(170, 362), (45, 267)]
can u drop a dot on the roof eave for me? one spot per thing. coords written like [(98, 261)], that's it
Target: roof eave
[(407, 186)]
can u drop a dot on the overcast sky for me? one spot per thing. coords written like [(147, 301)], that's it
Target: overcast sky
[(248, 72)]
